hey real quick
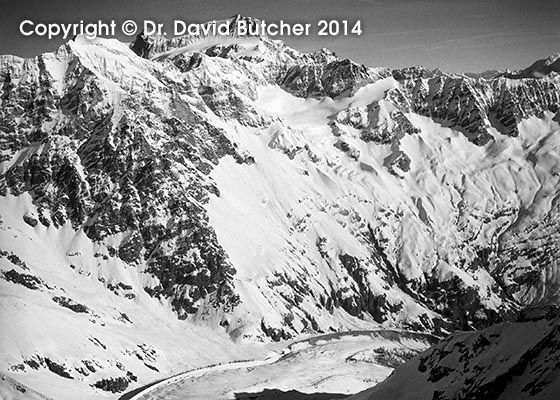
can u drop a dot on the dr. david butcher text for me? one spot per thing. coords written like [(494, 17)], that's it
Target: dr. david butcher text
[(242, 28)]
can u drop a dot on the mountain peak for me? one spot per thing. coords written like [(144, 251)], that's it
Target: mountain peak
[(538, 69), (198, 37)]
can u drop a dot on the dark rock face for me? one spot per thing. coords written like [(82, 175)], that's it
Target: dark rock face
[(473, 106), (29, 220), (457, 101), (413, 73), (365, 301), (108, 177), (469, 105), (70, 304), (27, 280), (532, 98), (14, 259), (335, 79), (113, 385), (57, 369), (141, 45), (276, 334)]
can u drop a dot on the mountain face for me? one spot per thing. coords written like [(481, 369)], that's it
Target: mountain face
[(261, 193), (505, 361), (538, 69)]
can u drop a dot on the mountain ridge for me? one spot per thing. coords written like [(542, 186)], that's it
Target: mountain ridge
[(266, 193)]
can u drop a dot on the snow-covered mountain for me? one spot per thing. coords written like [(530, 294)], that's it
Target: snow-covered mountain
[(163, 199), (539, 68), (505, 361)]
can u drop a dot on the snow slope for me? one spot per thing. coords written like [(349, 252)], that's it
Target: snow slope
[(505, 361), (109, 336)]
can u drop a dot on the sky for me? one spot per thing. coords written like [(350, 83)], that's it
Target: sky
[(453, 35)]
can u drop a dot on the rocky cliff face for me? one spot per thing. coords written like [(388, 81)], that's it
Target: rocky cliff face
[(267, 193), (127, 170)]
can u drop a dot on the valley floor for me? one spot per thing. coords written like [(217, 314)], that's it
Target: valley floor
[(341, 363)]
